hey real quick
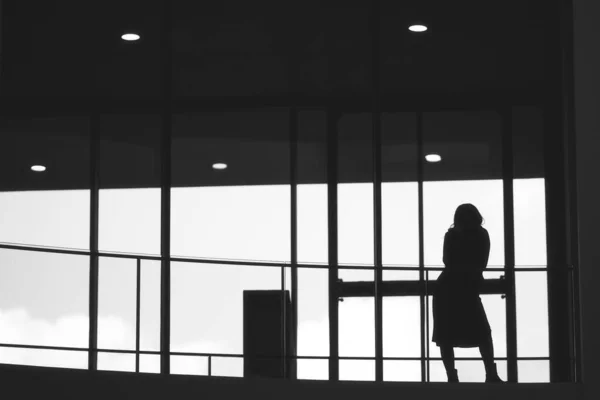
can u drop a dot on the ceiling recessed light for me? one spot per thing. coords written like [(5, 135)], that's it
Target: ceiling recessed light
[(130, 37), (433, 158), (38, 168), (417, 28), (219, 166)]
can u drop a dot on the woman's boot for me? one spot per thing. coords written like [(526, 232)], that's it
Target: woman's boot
[(491, 375), (452, 375)]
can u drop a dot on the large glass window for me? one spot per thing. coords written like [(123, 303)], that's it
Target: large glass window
[(236, 80)]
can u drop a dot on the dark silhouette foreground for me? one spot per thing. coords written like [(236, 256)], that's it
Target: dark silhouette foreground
[(458, 314)]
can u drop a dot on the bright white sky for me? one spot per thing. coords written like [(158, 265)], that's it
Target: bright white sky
[(43, 297)]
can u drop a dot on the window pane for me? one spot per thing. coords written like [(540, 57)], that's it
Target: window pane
[(44, 299), (530, 222), (207, 304), (129, 175), (355, 189), (400, 224), (243, 211), (401, 371), (531, 290), (357, 327), (357, 370), (313, 369), (312, 187), (189, 365), (116, 362), (529, 187), (399, 190), (50, 208), (534, 371), (312, 224), (150, 363), (401, 327), (313, 312), (402, 318), (44, 358), (228, 366), (116, 303), (150, 306), (353, 274)]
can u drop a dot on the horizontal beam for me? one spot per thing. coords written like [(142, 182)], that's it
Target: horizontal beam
[(410, 288)]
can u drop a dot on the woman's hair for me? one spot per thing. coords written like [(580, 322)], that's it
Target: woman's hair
[(467, 216)]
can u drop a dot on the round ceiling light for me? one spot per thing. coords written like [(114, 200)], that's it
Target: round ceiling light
[(433, 158), (130, 37), (38, 168), (417, 28), (219, 166)]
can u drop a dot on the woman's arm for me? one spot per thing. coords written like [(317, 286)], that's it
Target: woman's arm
[(446, 257), (485, 256)]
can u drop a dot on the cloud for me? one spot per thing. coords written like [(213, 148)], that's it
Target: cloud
[(18, 327)]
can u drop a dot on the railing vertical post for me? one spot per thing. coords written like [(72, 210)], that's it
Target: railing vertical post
[(137, 313), (283, 324), (94, 259)]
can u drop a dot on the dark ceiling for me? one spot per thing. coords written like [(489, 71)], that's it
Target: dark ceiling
[(72, 48), (66, 57)]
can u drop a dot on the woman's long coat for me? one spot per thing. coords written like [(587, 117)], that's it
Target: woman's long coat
[(459, 319)]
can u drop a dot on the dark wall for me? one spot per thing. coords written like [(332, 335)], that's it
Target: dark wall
[(587, 126), (42, 383)]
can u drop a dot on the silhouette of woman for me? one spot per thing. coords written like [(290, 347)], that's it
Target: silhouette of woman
[(459, 319)]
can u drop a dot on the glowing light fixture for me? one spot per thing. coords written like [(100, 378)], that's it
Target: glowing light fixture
[(417, 28), (130, 37), (433, 158), (38, 168), (219, 166)]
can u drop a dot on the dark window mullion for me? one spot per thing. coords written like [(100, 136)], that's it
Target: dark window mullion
[(94, 231), (294, 229), (377, 179), (424, 314), (509, 244), (332, 217), (166, 138)]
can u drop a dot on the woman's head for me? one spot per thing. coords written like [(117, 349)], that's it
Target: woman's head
[(467, 217)]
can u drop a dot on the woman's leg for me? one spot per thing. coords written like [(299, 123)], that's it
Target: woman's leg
[(487, 353), (447, 353)]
